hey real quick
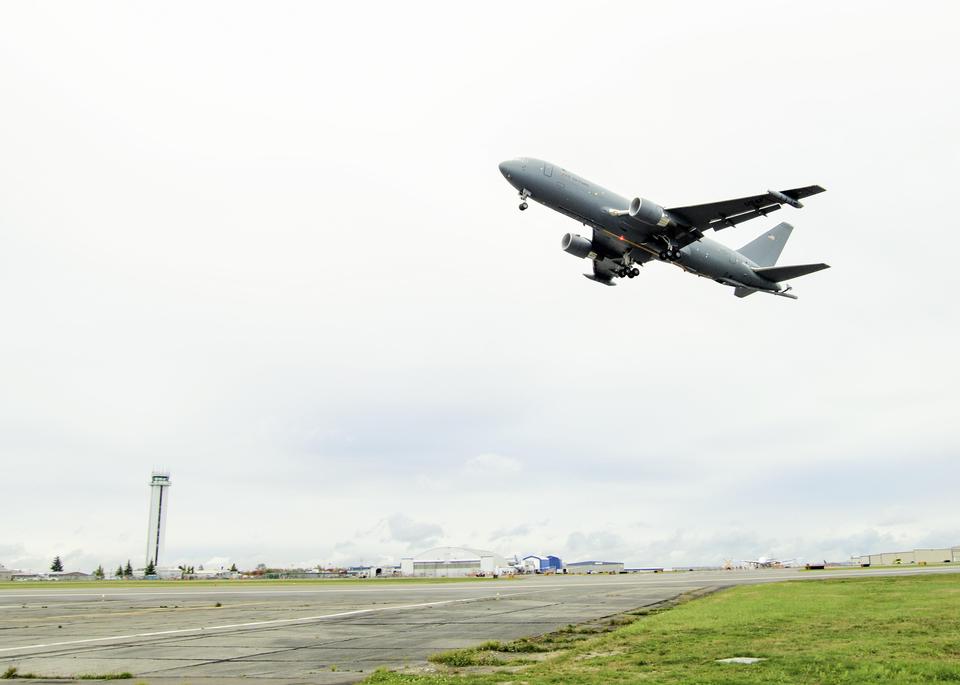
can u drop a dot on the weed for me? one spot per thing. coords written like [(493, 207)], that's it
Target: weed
[(459, 658), (12, 673), (125, 675)]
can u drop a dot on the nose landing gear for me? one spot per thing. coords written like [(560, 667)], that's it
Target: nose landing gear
[(524, 194)]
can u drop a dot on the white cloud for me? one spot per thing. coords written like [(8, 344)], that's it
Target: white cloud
[(491, 465), (413, 533)]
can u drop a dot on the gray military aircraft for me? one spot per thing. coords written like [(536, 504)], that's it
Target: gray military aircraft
[(627, 233)]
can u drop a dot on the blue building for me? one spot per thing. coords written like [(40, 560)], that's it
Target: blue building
[(538, 564)]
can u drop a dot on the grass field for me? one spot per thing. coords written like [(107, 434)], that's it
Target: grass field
[(879, 630), (96, 585)]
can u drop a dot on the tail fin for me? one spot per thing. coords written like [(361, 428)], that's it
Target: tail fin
[(765, 250)]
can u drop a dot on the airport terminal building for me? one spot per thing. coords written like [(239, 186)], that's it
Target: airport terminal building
[(452, 562)]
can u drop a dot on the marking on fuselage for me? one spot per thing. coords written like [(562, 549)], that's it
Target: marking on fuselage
[(625, 239)]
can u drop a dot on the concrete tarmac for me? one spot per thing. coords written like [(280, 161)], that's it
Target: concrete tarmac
[(320, 633)]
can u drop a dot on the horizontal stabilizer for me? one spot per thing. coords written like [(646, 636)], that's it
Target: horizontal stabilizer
[(785, 273)]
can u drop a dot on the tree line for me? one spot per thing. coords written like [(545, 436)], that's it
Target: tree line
[(127, 571)]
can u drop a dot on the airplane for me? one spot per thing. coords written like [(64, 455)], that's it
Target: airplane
[(629, 233), (766, 562)]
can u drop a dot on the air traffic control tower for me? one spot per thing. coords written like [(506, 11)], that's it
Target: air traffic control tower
[(159, 503)]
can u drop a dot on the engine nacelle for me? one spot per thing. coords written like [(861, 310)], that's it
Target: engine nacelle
[(648, 212), (578, 246)]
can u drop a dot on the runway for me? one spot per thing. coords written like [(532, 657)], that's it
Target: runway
[(325, 632)]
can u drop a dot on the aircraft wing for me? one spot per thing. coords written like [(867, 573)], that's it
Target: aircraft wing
[(608, 248), (720, 215)]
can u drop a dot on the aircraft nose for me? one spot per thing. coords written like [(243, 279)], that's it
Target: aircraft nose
[(508, 169)]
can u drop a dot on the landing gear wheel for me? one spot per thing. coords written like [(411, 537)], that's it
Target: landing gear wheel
[(634, 272), (523, 206), (664, 255)]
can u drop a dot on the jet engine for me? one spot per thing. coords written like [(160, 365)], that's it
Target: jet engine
[(648, 212), (577, 245)]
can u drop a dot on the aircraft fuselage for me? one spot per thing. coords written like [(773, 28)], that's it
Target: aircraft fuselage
[(617, 236)]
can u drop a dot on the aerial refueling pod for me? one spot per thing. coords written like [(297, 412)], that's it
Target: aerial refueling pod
[(785, 199), (648, 212), (577, 245)]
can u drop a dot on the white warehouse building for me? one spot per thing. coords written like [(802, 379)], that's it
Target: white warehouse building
[(452, 562)]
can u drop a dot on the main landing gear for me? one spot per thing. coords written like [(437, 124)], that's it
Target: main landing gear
[(629, 273), (669, 252)]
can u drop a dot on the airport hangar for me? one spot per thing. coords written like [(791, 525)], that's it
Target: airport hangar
[(595, 567), (940, 555), (453, 562)]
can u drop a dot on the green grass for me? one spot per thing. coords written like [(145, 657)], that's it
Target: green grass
[(902, 629)]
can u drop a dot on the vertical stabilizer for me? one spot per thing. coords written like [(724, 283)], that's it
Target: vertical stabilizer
[(765, 250)]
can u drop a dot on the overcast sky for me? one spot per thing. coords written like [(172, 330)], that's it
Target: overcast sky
[(266, 246)]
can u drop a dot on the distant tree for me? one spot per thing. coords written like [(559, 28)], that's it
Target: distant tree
[(128, 570), (119, 572), (151, 568), (57, 565), (99, 574), (233, 569)]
